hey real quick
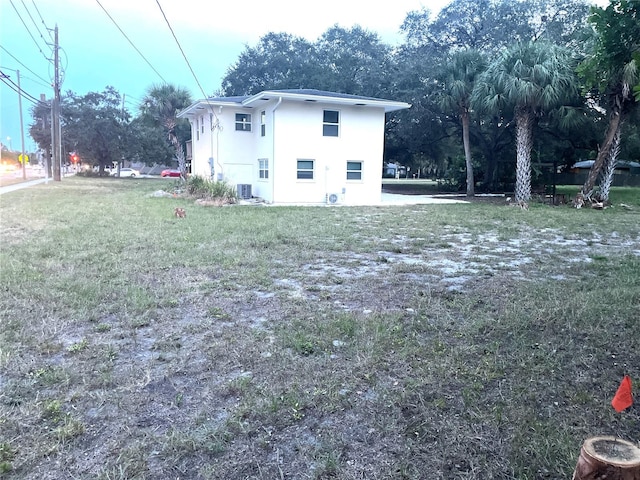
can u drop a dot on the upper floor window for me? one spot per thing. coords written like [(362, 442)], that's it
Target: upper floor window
[(354, 170), (197, 129), (202, 124), (330, 123), (263, 123), (305, 170), (243, 122)]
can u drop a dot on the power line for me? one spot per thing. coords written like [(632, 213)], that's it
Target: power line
[(16, 59), (13, 86), (129, 40), (181, 50), (29, 32), (42, 20), (34, 23), (20, 90), (25, 77), (204, 95)]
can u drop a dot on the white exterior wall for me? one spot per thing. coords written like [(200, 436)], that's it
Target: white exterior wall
[(299, 135), (234, 152), (293, 132)]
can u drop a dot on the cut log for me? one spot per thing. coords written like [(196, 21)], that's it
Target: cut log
[(608, 458)]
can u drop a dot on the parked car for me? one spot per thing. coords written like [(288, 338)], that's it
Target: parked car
[(127, 172), (169, 172)]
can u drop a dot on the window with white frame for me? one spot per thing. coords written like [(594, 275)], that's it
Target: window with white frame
[(243, 122), (263, 168), (330, 123), (354, 170), (197, 129), (202, 124), (263, 123), (305, 169)]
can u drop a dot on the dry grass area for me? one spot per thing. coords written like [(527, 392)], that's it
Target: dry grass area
[(436, 341)]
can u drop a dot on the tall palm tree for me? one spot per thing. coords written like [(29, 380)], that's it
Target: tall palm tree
[(161, 103), (612, 71), (532, 79), (458, 79)]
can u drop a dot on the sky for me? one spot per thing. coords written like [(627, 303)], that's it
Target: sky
[(95, 54)]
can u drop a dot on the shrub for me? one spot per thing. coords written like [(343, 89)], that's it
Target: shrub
[(203, 188)]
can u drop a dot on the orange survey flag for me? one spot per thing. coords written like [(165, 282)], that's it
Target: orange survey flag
[(623, 397)]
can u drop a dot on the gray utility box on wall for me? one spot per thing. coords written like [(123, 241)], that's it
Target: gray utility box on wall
[(244, 190)]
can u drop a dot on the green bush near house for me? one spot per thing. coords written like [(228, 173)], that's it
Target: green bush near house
[(203, 188)]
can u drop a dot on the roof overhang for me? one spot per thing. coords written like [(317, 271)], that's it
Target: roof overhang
[(209, 105), (203, 106), (346, 100)]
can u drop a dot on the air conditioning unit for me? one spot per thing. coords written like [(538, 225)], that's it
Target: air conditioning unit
[(244, 190), (335, 198)]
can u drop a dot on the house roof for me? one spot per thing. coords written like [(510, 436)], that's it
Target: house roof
[(620, 164), (301, 95)]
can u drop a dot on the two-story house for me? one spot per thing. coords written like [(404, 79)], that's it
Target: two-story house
[(293, 146)]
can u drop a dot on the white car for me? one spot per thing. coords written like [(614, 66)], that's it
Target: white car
[(126, 172)]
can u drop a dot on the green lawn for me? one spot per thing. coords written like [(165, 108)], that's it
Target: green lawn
[(434, 341)]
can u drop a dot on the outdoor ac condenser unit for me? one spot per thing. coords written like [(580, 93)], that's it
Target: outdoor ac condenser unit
[(244, 190), (335, 198)]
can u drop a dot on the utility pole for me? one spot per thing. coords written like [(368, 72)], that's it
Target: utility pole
[(56, 141), (47, 158), (23, 157)]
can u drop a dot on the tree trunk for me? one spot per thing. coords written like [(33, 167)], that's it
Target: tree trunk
[(464, 116), (603, 153), (608, 458), (609, 169), (179, 156), (524, 136)]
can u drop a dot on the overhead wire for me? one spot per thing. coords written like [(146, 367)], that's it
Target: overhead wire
[(34, 22), (25, 77), (19, 90), (129, 40), (29, 31), (42, 20), (17, 60), (185, 59)]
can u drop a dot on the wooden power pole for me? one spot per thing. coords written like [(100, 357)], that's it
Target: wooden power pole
[(23, 155), (56, 141)]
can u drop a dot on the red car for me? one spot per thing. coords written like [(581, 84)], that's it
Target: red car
[(170, 173)]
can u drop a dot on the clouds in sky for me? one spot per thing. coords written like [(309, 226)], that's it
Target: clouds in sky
[(212, 34)]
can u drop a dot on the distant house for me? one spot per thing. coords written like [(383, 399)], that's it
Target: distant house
[(621, 165), (293, 146)]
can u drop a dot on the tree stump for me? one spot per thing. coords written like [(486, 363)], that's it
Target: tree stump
[(608, 458)]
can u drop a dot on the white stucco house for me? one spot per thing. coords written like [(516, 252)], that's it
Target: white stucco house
[(293, 146)]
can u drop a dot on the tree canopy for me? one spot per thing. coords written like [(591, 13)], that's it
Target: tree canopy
[(500, 49)]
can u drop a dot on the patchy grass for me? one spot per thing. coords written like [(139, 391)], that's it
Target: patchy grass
[(431, 341)]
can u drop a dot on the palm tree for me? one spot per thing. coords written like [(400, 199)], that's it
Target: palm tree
[(458, 80), (612, 71), (161, 103), (532, 79)]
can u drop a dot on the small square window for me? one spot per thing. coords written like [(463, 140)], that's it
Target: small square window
[(354, 170), (243, 122), (305, 170), (330, 123)]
